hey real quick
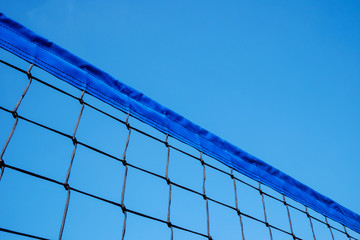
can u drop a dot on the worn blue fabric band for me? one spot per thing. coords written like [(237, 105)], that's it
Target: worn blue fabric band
[(31, 47)]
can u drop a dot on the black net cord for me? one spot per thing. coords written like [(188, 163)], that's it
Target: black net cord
[(28, 73), (15, 115), (124, 210), (236, 204), (205, 197), (328, 225), (289, 217), (168, 182), (65, 213), (22, 234), (66, 184), (311, 224), (347, 234), (74, 138), (265, 215)]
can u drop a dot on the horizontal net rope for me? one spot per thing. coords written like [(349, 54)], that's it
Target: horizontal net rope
[(165, 178)]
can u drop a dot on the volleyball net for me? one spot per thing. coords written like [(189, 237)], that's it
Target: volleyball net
[(89, 157)]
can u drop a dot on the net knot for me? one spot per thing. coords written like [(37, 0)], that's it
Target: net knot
[(81, 101), (127, 121), (267, 224), (123, 208), (66, 186), (168, 180), (124, 162), (238, 211), (28, 74), (74, 140), (2, 163), (169, 224), (166, 141), (232, 176), (204, 196), (14, 114)]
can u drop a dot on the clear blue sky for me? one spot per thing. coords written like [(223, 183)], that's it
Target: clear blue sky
[(278, 79)]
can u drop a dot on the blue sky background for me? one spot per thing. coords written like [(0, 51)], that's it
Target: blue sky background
[(278, 79)]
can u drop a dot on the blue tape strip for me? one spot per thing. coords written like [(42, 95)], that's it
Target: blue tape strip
[(29, 46)]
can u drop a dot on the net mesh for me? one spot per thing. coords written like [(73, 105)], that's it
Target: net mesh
[(73, 167)]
